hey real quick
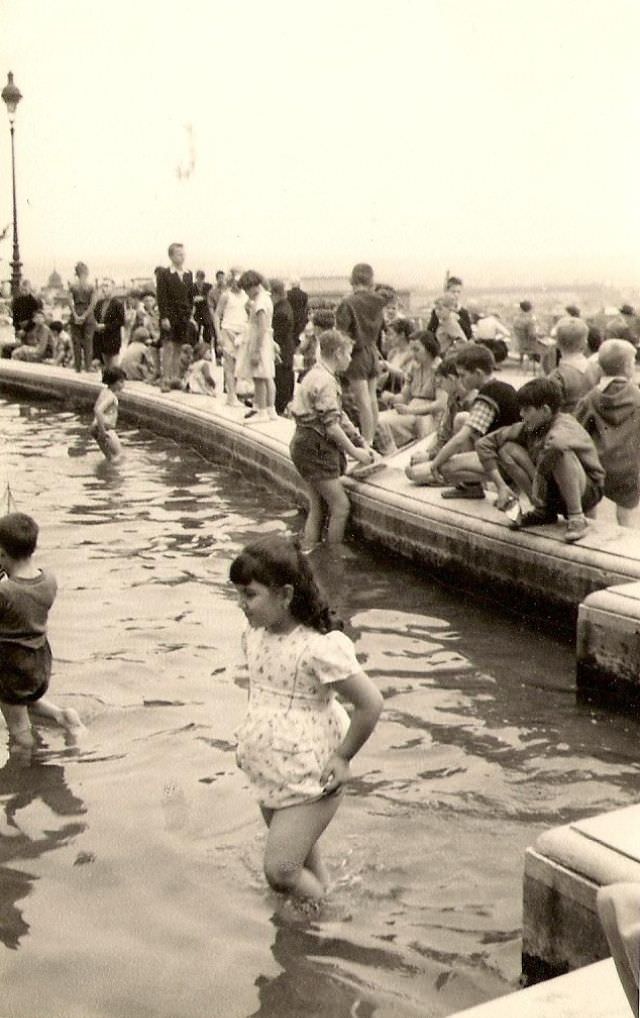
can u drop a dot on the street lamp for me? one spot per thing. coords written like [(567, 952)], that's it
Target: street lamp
[(11, 96)]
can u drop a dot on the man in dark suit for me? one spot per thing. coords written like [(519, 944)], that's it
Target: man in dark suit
[(174, 294), (299, 302), (202, 301)]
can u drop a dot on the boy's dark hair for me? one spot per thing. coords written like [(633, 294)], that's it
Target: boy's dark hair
[(361, 274), (573, 310), (276, 561), (173, 246), (112, 375), (402, 326), (475, 357), (540, 392), (249, 279), (323, 319), (447, 368), (56, 326), (18, 535), (526, 305), (454, 281), (428, 341), (220, 272)]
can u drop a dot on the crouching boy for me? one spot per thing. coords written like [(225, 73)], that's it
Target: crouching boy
[(549, 457)]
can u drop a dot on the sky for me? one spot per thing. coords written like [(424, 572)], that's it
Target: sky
[(498, 139)]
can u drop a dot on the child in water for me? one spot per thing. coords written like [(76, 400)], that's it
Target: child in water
[(296, 741), (105, 413), (26, 595)]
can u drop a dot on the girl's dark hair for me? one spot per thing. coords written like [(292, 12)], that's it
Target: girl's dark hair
[(402, 326), (276, 561), (428, 341)]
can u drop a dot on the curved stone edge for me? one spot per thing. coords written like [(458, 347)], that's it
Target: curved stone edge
[(454, 543)]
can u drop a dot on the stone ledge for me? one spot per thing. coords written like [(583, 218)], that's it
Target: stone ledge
[(461, 541), (608, 642), (592, 992), (562, 875)]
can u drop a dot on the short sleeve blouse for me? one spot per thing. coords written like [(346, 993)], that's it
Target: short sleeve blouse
[(333, 658)]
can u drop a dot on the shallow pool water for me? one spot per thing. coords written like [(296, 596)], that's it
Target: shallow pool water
[(130, 875)]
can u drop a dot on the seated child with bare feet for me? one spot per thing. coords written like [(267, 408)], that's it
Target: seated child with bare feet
[(26, 596), (199, 378), (105, 413)]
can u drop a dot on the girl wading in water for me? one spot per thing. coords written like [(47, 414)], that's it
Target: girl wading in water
[(296, 741)]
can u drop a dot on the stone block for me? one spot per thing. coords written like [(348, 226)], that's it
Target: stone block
[(608, 643), (591, 992), (563, 871)]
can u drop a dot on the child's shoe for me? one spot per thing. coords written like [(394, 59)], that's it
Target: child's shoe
[(534, 518), (577, 527), (260, 417), (471, 491)]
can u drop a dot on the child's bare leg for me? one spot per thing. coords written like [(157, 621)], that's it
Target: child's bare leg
[(571, 479), (627, 517), (360, 389), (260, 393), (17, 719), (315, 518), (65, 717), (333, 494), (518, 466), (229, 369), (293, 833), (271, 392), (315, 865), (373, 403)]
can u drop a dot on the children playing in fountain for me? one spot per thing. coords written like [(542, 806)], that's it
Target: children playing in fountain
[(26, 596), (323, 438), (549, 457), (105, 413), (296, 741)]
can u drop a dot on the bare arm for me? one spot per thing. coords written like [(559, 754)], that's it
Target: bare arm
[(458, 443), (338, 436), (367, 702)]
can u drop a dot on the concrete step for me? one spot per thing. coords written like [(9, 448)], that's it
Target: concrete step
[(591, 992)]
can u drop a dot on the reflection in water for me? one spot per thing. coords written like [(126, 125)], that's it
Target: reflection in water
[(481, 747), (28, 783)]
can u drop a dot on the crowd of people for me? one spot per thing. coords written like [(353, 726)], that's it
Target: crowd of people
[(363, 379)]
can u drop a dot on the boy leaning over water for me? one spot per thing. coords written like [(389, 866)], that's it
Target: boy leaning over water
[(26, 595), (549, 457)]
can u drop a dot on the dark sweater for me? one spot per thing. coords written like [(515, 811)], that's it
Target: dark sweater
[(502, 398)]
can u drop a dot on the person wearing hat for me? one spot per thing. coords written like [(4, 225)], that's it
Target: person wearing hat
[(137, 360)]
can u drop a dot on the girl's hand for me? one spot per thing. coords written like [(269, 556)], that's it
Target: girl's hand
[(402, 409), (336, 773)]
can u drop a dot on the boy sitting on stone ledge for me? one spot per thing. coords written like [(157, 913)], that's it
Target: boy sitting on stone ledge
[(549, 457), (494, 406)]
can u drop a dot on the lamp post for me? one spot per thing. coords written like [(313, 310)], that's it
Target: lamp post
[(11, 96)]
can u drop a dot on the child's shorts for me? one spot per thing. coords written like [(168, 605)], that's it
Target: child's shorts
[(364, 364), (315, 457), (24, 672)]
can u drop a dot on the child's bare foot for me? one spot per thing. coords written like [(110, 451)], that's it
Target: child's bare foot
[(72, 724)]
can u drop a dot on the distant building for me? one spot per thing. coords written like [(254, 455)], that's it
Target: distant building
[(333, 288)]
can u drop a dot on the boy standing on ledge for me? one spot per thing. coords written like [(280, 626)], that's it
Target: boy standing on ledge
[(360, 317)]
